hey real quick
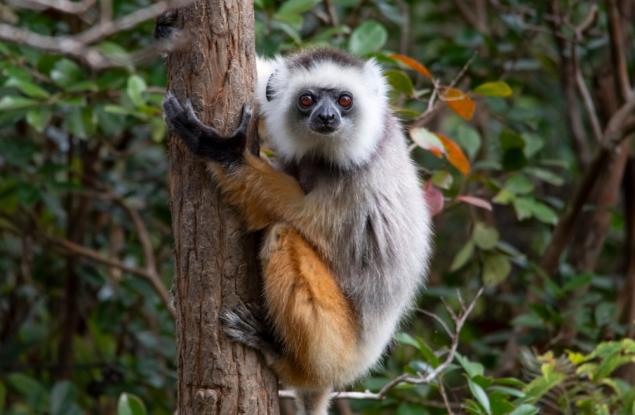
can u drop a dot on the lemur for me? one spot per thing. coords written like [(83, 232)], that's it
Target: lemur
[(348, 232)]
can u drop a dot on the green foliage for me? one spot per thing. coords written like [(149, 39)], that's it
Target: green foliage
[(80, 149)]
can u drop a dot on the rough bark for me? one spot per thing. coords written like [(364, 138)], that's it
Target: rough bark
[(215, 261)]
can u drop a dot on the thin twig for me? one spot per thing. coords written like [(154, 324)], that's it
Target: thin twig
[(618, 50), (438, 320), (588, 104), (330, 11)]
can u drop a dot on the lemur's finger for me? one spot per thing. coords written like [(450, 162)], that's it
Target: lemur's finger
[(171, 106), (245, 118), (189, 111)]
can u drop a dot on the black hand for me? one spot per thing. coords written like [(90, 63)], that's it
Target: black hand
[(203, 140), (164, 28)]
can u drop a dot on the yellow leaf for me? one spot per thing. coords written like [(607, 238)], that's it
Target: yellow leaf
[(455, 155), (412, 63), (459, 102)]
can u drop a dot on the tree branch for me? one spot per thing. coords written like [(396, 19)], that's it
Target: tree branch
[(155, 281), (64, 6), (77, 46), (620, 125)]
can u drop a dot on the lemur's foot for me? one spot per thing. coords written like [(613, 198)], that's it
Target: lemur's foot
[(245, 325), (202, 139), (164, 28)]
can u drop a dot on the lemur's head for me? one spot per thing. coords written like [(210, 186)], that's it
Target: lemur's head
[(324, 103)]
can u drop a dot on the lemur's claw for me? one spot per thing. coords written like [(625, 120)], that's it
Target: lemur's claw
[(241, 325)]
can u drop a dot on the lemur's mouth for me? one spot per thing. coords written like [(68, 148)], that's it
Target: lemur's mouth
[(325, 129)]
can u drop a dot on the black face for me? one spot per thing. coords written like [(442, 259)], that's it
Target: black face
[(324, 108)]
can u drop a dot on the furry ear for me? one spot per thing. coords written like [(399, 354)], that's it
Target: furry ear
[(375, 76), (269, 88)]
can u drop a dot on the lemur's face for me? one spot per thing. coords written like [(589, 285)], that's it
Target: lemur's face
[(334, 109), (324, 110)]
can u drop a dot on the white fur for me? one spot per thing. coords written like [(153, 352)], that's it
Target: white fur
[(346, 148)]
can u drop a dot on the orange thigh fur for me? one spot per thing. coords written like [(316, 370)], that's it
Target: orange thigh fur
[(308, 310)]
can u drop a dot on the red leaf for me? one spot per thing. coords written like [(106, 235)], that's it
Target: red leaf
[(476, 201), (459, 102), (434, 198), (412, 63), (455, 155)]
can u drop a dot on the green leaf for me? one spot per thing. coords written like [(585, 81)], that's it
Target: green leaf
[(66, 73), (428, 353), (518, 184), (463, 256), (290, 7), (10, 102), (27, 88), (31, 390), (496, 268), (400, 81), (130, 405), (469, 139), (525, 409), (577, 282), (442, 179), (405, 338), (480, 395), (507, 391), (550, 379), (409, 409), (545, 175), (369, 37), (62, 397), (605, 313), (473, 369), (494, 89), (544, 213), (523, 207), (484, 236), (38, 118), (533, 144), (158, 129), (135, 88), (114, 51), (503, 197)]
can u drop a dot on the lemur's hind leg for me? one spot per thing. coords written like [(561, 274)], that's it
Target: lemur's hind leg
[(313, 402), (309, 313)]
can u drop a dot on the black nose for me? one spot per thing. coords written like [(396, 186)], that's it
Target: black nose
[(327, 118)]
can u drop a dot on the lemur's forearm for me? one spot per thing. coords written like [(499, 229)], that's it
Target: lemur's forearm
[(263, 194)]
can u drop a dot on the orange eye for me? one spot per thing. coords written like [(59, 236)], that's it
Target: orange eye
[(306, 100), (345, 101)]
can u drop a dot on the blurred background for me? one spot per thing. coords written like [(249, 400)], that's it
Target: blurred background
[(519, 115)]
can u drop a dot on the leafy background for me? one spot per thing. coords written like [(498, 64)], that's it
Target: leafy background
[(83, 194)]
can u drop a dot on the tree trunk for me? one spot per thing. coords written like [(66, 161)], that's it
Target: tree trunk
[(215, 261)]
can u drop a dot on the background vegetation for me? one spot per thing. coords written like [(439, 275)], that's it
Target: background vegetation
[(519, 115)]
